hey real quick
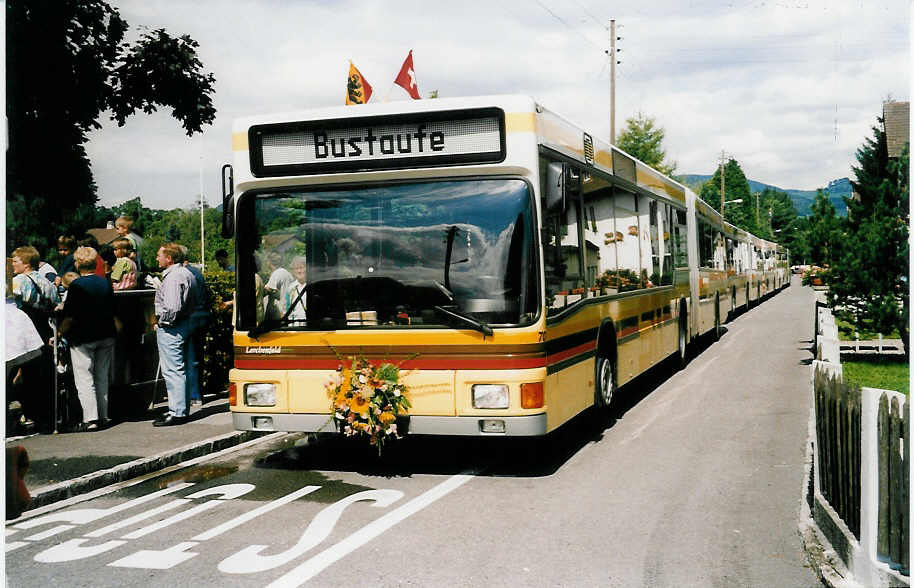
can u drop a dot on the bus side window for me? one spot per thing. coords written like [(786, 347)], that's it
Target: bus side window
[(680, 240), (651, 243), (563, 256), (705, 244), (629, 241), (603, 241), (666, 244)]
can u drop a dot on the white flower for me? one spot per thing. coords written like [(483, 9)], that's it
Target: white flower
[(397, 392)]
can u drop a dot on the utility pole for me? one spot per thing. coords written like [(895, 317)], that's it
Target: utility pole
[(612, 81), (723, 183)]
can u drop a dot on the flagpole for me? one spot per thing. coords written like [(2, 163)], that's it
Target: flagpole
[(202, 238)]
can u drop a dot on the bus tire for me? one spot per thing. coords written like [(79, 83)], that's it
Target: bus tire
[(717, 329), (682, 352), (605, 382)]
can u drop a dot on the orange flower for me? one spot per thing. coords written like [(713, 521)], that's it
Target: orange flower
[(359, 404), (387, 417), (344, 385)]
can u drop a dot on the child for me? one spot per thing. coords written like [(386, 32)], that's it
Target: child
[(123, 274), (124, 227), (65, 282)]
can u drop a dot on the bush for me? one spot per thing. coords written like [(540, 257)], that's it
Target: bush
[(815, 276), (218, 347)]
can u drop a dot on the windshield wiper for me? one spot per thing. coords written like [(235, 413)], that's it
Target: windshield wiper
[(271, 324), (445, 291), (455, 314)]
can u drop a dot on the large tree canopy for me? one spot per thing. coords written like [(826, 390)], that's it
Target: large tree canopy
[(869, 274), (66, 64), (643, 140)]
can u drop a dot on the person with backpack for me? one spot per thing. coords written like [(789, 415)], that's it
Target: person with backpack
[(36, 297)]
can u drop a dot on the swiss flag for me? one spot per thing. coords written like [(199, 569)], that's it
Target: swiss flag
[(406, 79)]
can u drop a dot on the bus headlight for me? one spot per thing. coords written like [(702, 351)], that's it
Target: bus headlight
[(490, 396), (260, 395)]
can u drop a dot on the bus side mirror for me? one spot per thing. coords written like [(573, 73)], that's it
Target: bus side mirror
[(555, 187), (228, 203)]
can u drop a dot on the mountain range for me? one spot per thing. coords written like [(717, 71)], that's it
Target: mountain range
[(802, 199)]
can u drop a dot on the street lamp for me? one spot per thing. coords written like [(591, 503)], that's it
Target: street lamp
[(722, 204)]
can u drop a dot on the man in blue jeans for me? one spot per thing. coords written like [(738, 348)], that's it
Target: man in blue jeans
[(174, 301)]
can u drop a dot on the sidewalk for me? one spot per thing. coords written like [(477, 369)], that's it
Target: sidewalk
[(67, 464)]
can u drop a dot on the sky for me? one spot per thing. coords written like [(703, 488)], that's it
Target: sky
[(788, 88)]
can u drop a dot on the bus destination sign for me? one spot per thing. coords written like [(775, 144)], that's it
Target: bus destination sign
[(385, 142)]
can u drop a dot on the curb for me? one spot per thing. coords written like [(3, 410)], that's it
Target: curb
[(83, 484)]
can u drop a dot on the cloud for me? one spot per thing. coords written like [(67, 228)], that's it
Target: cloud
[(790, 88)]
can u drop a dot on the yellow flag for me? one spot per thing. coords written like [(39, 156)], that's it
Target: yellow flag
[(358, 90)]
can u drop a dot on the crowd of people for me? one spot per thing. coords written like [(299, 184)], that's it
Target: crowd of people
[(72, 311)]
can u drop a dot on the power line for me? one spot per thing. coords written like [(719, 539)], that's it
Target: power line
[(564, 22)]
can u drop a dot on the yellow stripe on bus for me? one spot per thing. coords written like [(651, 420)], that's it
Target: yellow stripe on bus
[(240, 141), (520, 122)]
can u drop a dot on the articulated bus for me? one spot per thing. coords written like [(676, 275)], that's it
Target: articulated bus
[(521, 269)]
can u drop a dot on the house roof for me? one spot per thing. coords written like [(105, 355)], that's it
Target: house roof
[(104, 236), (897, 117)]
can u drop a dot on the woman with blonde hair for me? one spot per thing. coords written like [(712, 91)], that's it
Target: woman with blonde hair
[(87, 322)]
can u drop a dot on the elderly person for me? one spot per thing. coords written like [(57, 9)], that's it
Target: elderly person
[(34, 294), (175, 300), (199, 320), (295, 293), (88, 324)]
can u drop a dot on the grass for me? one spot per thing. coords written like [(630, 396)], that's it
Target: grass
[(846, 328), (885, 375)]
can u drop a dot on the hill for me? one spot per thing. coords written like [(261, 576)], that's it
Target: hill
[(802, 199)]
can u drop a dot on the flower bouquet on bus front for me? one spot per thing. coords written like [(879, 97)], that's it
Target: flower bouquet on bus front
[(366, 399)]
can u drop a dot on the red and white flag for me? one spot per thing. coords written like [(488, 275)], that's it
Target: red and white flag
[(406, 79)]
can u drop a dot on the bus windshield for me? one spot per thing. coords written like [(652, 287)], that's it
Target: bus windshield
[(429, 254)]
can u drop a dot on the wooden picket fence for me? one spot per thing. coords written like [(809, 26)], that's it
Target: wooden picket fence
[(863, 459), (894, 455), (838, 442)]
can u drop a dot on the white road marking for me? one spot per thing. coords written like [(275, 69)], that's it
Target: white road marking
[(176, 554), (307, 570), (249, 560), (241, 519), (56, 506), (157, 560), (138, 518), (181, 516), (87, 515)]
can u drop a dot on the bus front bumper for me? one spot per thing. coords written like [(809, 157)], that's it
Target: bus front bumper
[(476, 425)]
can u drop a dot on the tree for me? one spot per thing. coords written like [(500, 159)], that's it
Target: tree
[(67, 62), (824, 235), (736, 187), (869, 276), (643, 140), (183, 226)]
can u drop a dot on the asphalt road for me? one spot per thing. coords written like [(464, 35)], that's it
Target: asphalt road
[(695, 479)]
